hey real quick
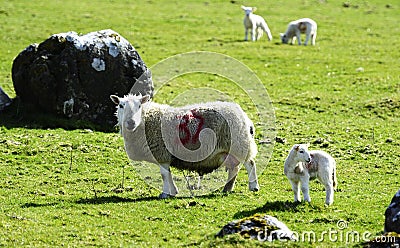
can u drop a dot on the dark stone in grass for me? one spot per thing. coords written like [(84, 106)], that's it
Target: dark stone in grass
[(392, 215), (72, 76), (5, 101), (260, 227)]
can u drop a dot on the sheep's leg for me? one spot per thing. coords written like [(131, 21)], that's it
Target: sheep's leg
[(305, 180), (253, 33), (232, 174), (252, 173), (267, 31), (198, 186), (308, 34), (245, 33), (328, 183), (298, 37), (314, 37), (169, 187), (329, 193), (296, 190)]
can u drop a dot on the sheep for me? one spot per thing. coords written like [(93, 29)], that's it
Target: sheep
[(302, 26), (301, 165), (254, 23), (198, 138)]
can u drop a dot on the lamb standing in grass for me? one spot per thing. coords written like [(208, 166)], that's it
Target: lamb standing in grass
[(302, 26), (302, 165), (197, 138), (255, 23)]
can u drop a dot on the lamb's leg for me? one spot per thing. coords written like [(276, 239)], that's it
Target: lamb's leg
[(252, 173), (169, 187), (296, 190), (305, 180), (253, 33), (308, 35), (267, 31), (314, 37), (298, 37), (329, 193), (245, 33)]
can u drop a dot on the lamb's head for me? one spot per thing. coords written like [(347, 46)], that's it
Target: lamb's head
[(129, 110), (301, 153), (284, 38), (248, 10)]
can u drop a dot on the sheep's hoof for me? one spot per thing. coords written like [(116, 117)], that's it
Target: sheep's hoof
[(254, 187), (165, 196)]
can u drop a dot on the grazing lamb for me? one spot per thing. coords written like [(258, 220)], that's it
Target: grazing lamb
[(301, 26), (302, 165), (255, 23), (197, 138)]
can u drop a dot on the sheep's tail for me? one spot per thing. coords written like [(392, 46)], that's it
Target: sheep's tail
[(334, 178)]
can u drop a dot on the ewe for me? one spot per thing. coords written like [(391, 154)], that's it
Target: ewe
[(255, 23), (301, 26), (302, 165), (197, 138)]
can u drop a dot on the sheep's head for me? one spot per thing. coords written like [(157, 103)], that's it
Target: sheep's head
[(302, 153), (129, 110), (284, 38), (248, 10)]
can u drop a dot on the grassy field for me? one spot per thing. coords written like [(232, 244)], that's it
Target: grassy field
[(63, 187)]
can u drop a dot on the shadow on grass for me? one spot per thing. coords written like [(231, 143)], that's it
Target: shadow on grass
[(35, 205), (113, 199), (278, 206)]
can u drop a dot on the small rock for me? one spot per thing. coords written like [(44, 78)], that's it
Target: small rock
[(260, 227)]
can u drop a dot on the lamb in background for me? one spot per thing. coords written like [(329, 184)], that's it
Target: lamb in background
[(302, 26), (255, 23), (197, 138), (301, 165)]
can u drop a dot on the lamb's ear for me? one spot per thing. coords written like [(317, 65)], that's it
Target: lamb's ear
[(307, 145), (254, 9), (243, 7), (145, 99), (296, 147), (115, 99)]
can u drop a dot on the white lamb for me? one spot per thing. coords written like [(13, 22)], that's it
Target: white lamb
[(197, 138), (302, 165), (302, 26), (255, 23)]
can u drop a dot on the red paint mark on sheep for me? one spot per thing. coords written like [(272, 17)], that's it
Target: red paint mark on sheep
[(183, 127)]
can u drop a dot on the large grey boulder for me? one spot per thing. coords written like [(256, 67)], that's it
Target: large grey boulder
[(73, 75), (392, 215)]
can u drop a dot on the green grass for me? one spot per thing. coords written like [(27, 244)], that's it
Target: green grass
[(63, 187)]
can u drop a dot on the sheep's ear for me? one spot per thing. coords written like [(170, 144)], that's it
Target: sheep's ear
[(281, 35), (254, 9), (145, 99), (243, 7), (307, 145), (296, 147), (115, 99)]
